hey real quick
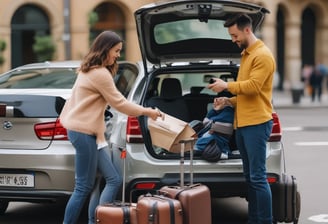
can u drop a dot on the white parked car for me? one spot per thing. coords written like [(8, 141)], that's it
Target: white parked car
[(36, 159), (184, 44)]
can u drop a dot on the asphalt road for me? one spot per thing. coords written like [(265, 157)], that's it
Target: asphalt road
[(232, 210), (305, 138)]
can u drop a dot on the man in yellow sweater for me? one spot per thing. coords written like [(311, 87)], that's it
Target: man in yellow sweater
[(253, 113)]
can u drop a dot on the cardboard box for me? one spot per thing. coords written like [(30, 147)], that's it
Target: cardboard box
[(166, 133)]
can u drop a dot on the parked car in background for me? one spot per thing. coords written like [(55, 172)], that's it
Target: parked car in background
[(36, 158), (183, 45)]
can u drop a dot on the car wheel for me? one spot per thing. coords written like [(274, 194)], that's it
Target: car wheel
[(298, 205), (3, 206)]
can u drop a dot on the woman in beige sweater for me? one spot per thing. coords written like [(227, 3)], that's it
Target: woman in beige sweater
[(83, 117)]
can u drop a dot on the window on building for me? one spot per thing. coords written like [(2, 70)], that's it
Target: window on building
[(109, 17), (28, 21)]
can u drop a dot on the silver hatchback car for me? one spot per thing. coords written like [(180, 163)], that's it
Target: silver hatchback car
[(36, 159), (184, 44)]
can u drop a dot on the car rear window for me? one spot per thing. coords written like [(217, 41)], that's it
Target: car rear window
[(39, 79), (175, 31), (63, 78)]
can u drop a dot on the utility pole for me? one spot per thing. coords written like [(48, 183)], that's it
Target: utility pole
[(67, 29)]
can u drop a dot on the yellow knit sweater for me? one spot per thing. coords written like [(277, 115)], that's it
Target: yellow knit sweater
[(91, 93), (253, 87)]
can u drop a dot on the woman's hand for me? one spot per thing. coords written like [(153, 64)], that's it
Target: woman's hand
[(153, 113)]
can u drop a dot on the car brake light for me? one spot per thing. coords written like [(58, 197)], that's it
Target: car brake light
[(133, 131), (51, 131), (276, 129), (3, 110), (145, 186), (271, 180), (6, 110)]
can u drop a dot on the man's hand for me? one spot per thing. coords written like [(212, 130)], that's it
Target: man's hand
[(218, 86), (218, 103), (221, 102)]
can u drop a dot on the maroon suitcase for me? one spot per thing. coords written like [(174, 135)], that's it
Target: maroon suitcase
[(158, 209), (117, 212), (195, 198)]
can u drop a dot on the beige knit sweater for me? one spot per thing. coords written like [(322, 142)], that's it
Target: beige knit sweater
[(91, 93)]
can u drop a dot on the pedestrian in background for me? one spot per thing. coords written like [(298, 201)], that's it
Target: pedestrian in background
[(83, 117), (253, 113), (306, 74), (316, 79)]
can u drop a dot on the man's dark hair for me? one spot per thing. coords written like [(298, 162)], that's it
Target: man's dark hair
[(242, 21)]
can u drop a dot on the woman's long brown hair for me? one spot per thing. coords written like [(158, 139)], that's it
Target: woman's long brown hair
[(98, 53)]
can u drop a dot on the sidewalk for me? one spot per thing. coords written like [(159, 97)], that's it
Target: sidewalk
[(283, 99)]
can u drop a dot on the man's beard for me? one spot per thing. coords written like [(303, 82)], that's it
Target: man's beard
[(243, 45)]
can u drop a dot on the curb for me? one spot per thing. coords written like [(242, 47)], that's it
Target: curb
[(283, 100)]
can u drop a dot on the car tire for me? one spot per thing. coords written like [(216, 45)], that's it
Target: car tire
[(3, 206), (298, 206)]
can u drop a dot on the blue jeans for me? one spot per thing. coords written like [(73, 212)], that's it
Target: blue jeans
[(113, 183), (87, 159), (204, 140), (251, 142)]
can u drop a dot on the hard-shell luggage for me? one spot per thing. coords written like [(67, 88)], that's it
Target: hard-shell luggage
[(158, 209), (286, 205), (117, 212), (195, 198)]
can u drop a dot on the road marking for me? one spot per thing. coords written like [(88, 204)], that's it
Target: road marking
[(293, 129), (311, 143), (322, 218), (306, 128)]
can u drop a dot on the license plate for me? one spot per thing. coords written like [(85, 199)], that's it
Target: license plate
[(16, 180)]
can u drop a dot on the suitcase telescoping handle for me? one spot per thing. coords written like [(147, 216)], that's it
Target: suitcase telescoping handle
[(183, 143), (123, 156)]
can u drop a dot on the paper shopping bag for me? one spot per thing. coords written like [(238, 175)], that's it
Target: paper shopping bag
[(167, 132)]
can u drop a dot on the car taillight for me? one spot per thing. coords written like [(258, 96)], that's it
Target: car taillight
[(276, 129), (147, 185), (133, 131), (272, 180), (51, 131)]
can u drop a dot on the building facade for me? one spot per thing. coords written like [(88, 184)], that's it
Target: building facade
[(295, 30)]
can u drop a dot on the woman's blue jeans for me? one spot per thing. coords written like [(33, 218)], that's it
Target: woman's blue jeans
[(251, 142), (113, 183), (87, 160)]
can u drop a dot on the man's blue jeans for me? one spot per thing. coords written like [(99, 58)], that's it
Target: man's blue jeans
[(251, 142), (87, 160)]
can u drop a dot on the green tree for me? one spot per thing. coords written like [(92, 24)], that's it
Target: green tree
[(44, 48), (3, 46), (93, 18)]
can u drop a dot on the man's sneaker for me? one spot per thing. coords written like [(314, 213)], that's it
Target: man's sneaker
[(224, 156)]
